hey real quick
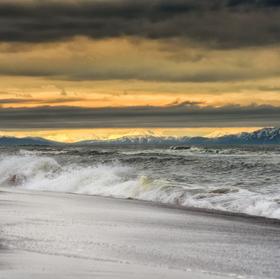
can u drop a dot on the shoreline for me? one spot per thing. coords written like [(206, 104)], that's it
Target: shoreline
[(188, 209), (67, 235)]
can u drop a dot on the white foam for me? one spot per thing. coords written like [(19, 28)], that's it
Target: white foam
[(117, 180)]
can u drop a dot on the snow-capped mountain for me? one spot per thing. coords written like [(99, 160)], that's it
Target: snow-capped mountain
[(262, 136)]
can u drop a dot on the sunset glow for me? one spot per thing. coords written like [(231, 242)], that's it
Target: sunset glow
[(210, 81)]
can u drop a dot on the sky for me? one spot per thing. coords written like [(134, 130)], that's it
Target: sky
[(78, 69)]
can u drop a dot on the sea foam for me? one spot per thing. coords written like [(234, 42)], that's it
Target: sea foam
[(35, 172)]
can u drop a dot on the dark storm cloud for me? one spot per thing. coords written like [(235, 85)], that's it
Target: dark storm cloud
[(256, 3), (216, 23), (181, 115)]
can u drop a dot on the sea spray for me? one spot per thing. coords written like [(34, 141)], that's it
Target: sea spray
[(242, 182)]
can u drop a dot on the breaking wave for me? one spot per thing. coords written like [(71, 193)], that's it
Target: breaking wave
[(116, 179)]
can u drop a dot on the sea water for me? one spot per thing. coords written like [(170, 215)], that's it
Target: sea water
[(234, 179)]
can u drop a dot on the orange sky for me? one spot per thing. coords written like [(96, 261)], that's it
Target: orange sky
[(201, 69), (91, 73), (101, 134)]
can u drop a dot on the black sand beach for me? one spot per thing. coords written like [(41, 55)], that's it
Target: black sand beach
[(53, 235)]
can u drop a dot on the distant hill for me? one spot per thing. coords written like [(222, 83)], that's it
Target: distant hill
[(25, 141), (262, 136)]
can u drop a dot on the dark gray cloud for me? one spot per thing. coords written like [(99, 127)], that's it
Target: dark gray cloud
[(179, 115), (60, 100), (144, 74), (19, 101), (16, 101), (253, 3), (216, 23)]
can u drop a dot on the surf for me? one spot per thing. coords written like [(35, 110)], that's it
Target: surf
[(109, 174)]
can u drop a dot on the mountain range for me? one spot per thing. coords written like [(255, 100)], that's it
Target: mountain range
[(262, 136), (26, 141)]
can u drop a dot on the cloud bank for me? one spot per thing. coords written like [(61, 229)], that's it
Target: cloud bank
[(176, 116), (215, 23), (211, 52)]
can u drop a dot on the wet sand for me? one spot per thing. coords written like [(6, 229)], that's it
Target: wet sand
[(54, 235)]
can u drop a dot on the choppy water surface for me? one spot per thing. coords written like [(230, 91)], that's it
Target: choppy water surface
[(245, 180)]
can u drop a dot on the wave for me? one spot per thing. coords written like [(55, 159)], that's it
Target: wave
[(207, 151), (34, 172)]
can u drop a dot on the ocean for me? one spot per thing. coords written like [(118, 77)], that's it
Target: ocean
[(244, 179)]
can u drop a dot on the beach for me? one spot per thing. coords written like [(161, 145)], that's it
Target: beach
[(60, 235), (139, 139)]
